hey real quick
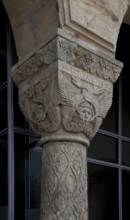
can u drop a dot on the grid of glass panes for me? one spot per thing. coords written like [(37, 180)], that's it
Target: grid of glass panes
[(19, 155), (109, 154)]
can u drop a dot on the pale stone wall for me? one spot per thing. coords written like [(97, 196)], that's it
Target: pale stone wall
[(127, 15)]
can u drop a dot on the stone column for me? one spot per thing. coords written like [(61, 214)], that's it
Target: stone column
[(64, 182), (65, 92)]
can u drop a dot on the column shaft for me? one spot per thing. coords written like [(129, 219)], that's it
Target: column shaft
[(64, 182)]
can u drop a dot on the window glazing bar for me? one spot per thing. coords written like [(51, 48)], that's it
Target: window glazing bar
[(3, 86), (120, 147), (24, 132), (108, 164), (103, 163), (11, 157), (113, 135), (3, 132)]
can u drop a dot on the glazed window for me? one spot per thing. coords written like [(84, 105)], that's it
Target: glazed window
[(109, 154)]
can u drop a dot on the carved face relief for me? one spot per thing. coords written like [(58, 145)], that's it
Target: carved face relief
[(86, 111)]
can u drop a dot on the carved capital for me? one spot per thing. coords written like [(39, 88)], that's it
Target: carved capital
[(65, 90)]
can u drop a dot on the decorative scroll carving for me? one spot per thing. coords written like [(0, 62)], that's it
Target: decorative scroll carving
[(71, 53), (65, 88), (65, 100), (40, 105), (39, 61), (84, 59), (87, 110), (64, 192)]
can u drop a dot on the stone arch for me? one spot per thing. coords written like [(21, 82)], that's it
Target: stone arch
[(127, 15), (126, 20), (31, 24), (16, 11)]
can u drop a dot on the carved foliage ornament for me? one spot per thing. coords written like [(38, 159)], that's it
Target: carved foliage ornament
[(74, 96), (68, 52), (63, 101), (64, 194)]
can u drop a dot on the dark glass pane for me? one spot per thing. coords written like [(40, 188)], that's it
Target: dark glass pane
[(3, 74), (19, 120), (20, 142), (126, 153), (33, 181), (102, 192), (123, 48), (126, 102), (126, 195), (27, 177), (104, 148), (3, 178), (2, 36), (110, 123), (3, 107), (35, 175)]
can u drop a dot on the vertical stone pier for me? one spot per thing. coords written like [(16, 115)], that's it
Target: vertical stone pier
[(65, 92), (65, 75)]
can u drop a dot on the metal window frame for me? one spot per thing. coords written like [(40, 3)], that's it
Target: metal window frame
[(11, 129), (120, 138), (10, 120)]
